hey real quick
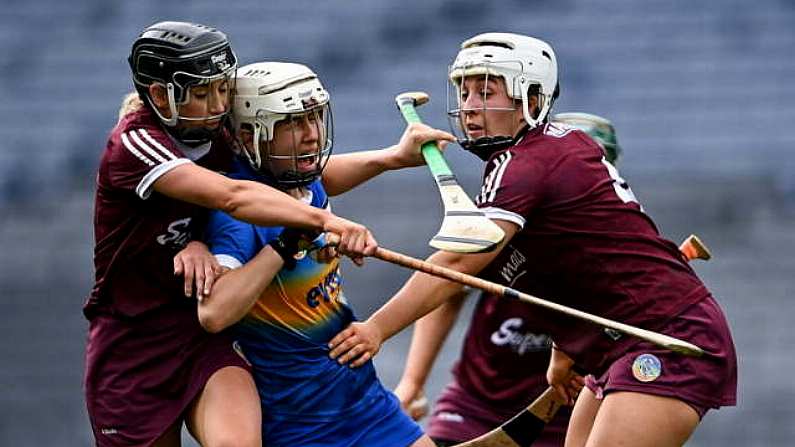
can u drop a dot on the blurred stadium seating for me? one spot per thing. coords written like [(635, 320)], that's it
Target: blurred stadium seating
[(701, 94)]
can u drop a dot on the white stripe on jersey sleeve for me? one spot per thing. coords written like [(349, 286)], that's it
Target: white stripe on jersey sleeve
[(131, 147), (170, 155), (145, 148), (491, 183), (144, 188), (161, 159), (495, 213), (500, 171), (228, 261)]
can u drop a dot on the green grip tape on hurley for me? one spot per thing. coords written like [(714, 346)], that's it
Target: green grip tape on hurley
[(430, 151)]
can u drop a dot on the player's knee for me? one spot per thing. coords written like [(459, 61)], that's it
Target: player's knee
[(238, 432), (234, 438)]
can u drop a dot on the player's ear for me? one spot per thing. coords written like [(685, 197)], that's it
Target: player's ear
[(159, 96)]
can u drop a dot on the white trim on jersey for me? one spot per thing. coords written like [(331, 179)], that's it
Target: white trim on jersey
[(488, 183), (195, 153), (307, 195), (170, 155), (228, 261), (130, 147), (501, 170), (146, 150), (149, 151), (558, 130), (150, 147), (492, 182), (495, 213), (144, 188)]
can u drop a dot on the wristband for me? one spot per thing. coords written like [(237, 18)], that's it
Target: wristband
[(286, 245)]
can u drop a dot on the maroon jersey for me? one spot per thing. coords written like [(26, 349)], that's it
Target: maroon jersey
[(505, 357), (147, 355), (584, 242), (137, 231), (502, 369)]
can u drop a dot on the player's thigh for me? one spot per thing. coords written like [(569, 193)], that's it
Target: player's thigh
[(424, 441), (582, 418), (227, 412), (630, 418)]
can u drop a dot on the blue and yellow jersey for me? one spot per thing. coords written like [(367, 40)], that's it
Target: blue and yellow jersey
[(286, 333)]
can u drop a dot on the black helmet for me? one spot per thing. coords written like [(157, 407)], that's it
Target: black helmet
[(178, 55)]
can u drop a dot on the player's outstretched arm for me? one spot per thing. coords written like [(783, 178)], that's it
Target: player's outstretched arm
[(429, 335), (249, 201), (346, 171), (421, 294), (262, 205)]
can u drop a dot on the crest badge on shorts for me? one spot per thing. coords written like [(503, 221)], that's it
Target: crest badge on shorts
[(646, 367)]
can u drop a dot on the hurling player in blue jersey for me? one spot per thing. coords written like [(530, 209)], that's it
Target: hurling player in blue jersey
[(283, 290)]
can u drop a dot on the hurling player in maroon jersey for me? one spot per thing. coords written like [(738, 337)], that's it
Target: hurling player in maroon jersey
[(503, 361), (149, 364), (575, 234)]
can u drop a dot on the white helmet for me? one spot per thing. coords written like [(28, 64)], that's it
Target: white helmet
[(521, 61), (269, 92)]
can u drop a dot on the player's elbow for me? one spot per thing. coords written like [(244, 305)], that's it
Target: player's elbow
[(471, 264), (233, 198), (211, 320)]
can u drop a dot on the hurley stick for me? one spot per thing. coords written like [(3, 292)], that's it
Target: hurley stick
[(662, 340), (522, 429), (693, 248), (465, 228)]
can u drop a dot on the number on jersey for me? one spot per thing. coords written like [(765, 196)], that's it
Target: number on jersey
[(623, 191)]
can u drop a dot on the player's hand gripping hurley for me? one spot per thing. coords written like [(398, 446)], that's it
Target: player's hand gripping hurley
[(465, 229)]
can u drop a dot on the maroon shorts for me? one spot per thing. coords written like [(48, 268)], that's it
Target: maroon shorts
[(458, 417), (705, 382), (143, 373)]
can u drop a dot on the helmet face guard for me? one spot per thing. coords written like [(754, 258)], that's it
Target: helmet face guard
[(456, 111), (285, 160), (179, 56), (528, 67), (189, 129), (288, 111)]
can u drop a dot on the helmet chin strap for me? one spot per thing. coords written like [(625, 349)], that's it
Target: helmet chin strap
[(172, 107), (195, 136), (283, 182), (484, 147), (256, 158), (172, 120)]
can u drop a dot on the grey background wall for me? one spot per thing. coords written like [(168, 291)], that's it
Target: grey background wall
[(701, 94)]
